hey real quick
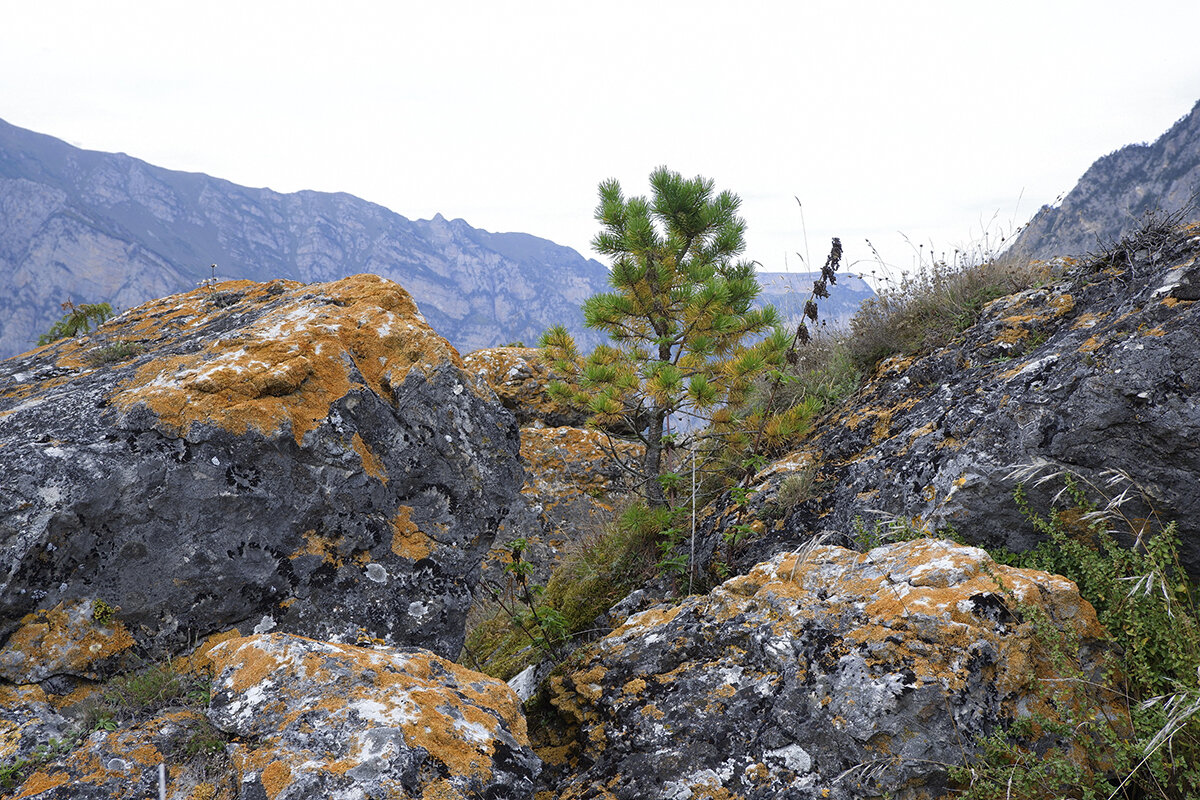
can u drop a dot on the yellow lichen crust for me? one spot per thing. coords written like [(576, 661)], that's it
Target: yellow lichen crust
[(901, 656), (308, 345), (409, 541), (282, 690), (65, 639)]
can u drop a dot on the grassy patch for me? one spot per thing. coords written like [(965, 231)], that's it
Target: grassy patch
[(112, 353), (140, 694), (930, 308), (588, 581)]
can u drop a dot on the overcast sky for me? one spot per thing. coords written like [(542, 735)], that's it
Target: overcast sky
[(931, 119)]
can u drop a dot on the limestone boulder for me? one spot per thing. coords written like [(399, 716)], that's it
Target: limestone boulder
[(305, 458), (316, 719), (1093, 372), (822, 673)]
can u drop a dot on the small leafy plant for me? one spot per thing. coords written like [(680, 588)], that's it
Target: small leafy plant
[(1127, 566), (12, 773), (544, 625)]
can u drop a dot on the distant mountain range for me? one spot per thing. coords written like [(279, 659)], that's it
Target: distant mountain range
[(1116, 191), (92, 227)]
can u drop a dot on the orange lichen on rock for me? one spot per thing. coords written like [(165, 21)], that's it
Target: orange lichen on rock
[(372, 464), (308, 346), (1088, 320), (409, 541), (275, 777), (454, 715), (833, 637), (40, 782), (64, 639)]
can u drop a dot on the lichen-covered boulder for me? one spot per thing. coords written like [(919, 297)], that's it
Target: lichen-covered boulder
[(316, 719), (309, 458), (1093, 371), (124, 764), (519, 378), (827, 673)]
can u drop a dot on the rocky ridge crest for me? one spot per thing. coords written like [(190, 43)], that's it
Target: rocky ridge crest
[(1117, 191)]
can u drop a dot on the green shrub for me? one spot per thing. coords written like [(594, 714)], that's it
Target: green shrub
[(140, 693), (78, 319), (112, 353), (586, 583), (1146, 601)]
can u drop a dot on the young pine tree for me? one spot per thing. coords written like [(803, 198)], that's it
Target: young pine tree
[(678, 318)]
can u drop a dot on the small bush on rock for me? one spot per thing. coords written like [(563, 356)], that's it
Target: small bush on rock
[(1128, 568), (112, 353), (138, 694), (930, 308)]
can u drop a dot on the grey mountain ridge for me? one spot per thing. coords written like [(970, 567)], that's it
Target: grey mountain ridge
[(88, 226), (1116, 191)]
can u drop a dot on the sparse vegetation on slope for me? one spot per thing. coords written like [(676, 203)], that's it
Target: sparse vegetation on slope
[(1127, 566), (931, 307)]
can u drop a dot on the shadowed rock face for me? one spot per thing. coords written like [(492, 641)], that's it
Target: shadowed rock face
[(828, 673), (307, 458), (1095, 371)]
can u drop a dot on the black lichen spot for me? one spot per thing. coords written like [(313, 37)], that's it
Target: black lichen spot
[(244, 479), (991, 606)]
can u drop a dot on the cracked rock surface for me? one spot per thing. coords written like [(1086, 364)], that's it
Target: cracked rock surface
[(267, 456), (1094, 371)]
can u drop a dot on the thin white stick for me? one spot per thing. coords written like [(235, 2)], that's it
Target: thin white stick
[(162, 781), (692, 545)]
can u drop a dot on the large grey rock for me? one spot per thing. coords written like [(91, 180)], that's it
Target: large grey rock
[(1093, 372), (306, 458), (828, 673)]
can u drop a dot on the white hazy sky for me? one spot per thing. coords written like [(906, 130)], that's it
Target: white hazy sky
[(931, 119)]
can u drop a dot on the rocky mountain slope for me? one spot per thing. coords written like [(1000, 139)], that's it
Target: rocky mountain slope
[(1117, 191), (102, 227), (289, 491), (95, 227), (1093, 372)]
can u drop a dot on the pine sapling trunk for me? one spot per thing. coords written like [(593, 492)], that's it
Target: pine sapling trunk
[(655, 497)]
